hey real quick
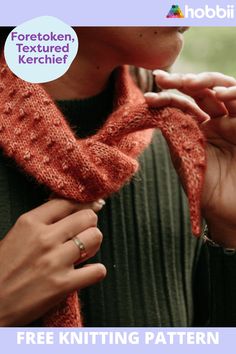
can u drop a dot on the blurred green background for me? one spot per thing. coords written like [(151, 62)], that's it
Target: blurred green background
[(208, 49)]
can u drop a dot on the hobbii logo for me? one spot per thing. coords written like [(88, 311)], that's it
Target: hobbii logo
[(210, 12), (217, 11)]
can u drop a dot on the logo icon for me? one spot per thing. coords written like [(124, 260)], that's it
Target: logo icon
[(175, 12)]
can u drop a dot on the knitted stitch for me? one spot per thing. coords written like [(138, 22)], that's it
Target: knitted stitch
[(36, 135)]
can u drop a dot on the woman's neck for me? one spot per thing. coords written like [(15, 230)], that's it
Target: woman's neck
[(87, 76)]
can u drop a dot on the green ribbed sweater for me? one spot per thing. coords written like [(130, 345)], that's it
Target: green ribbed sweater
[(158, 273)]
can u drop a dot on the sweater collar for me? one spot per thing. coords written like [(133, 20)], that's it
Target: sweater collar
[(87, 116)]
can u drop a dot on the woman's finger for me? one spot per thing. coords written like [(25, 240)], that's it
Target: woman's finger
[(225, 94), (209, 80), (73, 224), (167, 81), (57, 209), (192, 82), (228, 96), (163, 99), (206, 99), (197, 87), (70, 252), (85, 276)]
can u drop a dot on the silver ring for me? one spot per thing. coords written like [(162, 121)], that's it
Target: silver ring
[(80, 246)]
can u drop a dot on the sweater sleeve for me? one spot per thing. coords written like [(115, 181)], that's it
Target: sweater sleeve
[(215, 287)]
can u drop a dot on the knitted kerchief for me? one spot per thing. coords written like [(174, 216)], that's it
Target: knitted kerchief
[(35, 134)]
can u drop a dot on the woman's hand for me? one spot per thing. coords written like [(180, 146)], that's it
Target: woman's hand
[(37, 257), (215, 96)]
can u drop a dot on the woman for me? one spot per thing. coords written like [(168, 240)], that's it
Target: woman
[(157, 272)]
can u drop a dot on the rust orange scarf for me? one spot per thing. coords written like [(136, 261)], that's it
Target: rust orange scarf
[(35, 134)]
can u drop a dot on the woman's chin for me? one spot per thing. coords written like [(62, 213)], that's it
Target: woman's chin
[(165, 64), (172, 52), (162, 56)]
